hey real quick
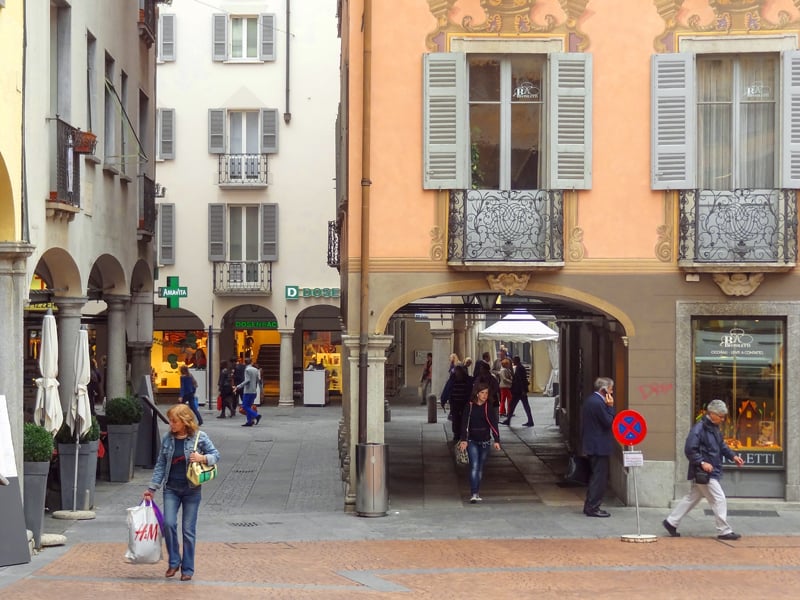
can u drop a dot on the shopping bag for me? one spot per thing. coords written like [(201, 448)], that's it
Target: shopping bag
[(145, 531), (462, 458), (219, 402)]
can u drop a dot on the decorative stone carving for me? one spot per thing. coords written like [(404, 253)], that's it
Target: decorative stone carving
[(508, 283), (437, 243), (577, 251), (664, 244), (738, 284)]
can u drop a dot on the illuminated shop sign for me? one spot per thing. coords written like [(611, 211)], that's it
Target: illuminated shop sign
[(295, 292), (255, 324)]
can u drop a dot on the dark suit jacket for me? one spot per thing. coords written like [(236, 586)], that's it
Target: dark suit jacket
[(596, 420)]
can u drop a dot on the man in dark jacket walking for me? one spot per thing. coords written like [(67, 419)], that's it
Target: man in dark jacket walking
[(598, 442), (705, 449)]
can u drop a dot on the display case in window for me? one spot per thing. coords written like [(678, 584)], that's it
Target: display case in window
[(323, 350)]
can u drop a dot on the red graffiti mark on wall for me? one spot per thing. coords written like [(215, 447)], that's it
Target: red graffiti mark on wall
[(654, 389)]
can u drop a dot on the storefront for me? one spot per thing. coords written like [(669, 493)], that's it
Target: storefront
[(323, 350), (173, 349), (258, 339)]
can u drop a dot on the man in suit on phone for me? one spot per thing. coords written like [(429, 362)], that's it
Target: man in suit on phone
[(597, 417)]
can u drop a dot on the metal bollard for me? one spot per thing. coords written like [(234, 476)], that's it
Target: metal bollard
[(432, 408)]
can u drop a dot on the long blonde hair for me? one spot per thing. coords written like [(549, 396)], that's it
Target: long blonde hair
[(184, 414)]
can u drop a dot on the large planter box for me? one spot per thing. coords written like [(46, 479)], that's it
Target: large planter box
[(87, 471), (121, 451), (35, 491)]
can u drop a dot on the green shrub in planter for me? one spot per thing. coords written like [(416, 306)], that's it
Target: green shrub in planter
[(66, 436), (123, 411), (37, 443)]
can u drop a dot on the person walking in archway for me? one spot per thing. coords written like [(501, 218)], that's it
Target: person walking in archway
[(519, 393)]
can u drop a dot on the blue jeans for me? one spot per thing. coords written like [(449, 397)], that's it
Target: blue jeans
[(477, 452), (192, 402), (247, 404), (189, 498)]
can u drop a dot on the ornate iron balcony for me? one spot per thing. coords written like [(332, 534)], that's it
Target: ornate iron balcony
[(517, 226), (243, 170), (243, 278), (147, 21), (147, 205), (334, 255), (738, 227), (68, 167)]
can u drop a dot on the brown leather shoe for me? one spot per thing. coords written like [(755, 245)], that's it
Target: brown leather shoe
[(171, 571), (186, 577)]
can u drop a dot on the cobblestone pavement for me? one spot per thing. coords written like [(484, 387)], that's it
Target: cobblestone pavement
[(274, 525)]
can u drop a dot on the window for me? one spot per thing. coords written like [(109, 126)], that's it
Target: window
[(716, 119), (110, 130), (243, 38), (123, 124), (242, 131), (91, 80), (243, 234), (166, 38), (519, 121), (166, 234), (166, 134)]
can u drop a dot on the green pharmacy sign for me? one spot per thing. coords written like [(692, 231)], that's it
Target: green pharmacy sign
[(173, 292)]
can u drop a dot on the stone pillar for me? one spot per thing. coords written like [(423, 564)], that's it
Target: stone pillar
[(117, 360), (140, 336), (140, 364), (14, 288), (213, 364), (442, 348), (349, 414), (376, 386), (460, 336), (287, 376), (68, 319)]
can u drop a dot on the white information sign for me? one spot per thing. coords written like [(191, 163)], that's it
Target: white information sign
[(632, 458)]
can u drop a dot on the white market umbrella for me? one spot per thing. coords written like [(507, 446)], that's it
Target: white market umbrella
[(47, 411), (79, 416), (518, 326)]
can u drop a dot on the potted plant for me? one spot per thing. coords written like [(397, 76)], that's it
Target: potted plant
[(84, 142), (123, 415), (37, 452), (86, 466)]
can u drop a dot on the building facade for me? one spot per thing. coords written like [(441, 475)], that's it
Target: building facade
[(627, 168), (246, 124)]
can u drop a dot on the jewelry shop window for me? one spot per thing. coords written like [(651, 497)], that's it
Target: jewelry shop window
[(740, 361)]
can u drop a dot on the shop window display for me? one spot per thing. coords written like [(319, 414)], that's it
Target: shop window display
[(740, 361), (173, 349), (323, 350)]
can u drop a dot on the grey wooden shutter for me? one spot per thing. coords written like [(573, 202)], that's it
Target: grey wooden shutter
[(269, 130), (673, 153), (445, 137), (166, 234), (216, 131), (570, 121), (219, 37), (269, 232), (790, 119), (166, 42), (216, 232), (267, 37), (166, 133)]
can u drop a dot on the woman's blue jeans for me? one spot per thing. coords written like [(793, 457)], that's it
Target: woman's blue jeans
[(174, 498), (477, 452)]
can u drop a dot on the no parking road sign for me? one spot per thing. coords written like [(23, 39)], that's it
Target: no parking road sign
[(629, 427)]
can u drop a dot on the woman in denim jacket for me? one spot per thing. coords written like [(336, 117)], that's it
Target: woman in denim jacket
[(177, 451)]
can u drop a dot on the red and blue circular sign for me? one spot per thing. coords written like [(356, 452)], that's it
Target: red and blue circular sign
[(629, 427)]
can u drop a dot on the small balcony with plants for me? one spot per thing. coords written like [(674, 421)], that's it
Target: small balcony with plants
[(242, 278), (64, 199), (242, 171)]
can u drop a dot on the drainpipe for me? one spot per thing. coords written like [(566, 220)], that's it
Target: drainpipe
[(363, 326), (287, 116)]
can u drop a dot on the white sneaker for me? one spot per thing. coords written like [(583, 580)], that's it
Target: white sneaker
[(475, 498), (478, 498)]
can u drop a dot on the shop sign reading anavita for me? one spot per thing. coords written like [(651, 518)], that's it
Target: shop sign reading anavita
[(295, 292)]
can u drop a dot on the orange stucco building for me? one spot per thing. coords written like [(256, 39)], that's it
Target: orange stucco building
[(627, 169)]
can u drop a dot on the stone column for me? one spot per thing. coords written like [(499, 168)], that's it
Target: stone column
[(68, 320), (14, 288), (460, 336), (376, 386), (442, 348), (140, 336), (349, 433), (140, 364), (287, 376), (117, 360)]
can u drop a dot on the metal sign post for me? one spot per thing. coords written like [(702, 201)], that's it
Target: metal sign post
[(629, 428)]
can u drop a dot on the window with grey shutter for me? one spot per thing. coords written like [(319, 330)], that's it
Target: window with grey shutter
[(570, 121), (166, 133), (166, 234), (445, 142), (790, 119), (269, 232), (216, 131), (216, 232), (269, 130), (166, 41), (267, 37), (673, 138), (219, 37)]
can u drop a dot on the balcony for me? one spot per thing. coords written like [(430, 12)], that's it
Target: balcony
[(147, 209), (243, 171), (147, 21), (334, 255), (242, 278), (65, 201), (738, 231), (509, 230)]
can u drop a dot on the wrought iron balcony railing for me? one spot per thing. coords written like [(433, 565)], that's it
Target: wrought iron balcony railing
[(517, 226), (243, 170), (147, 205), (68, 167), (738, 227), (147, 21), (242, 277), (334, 255)]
